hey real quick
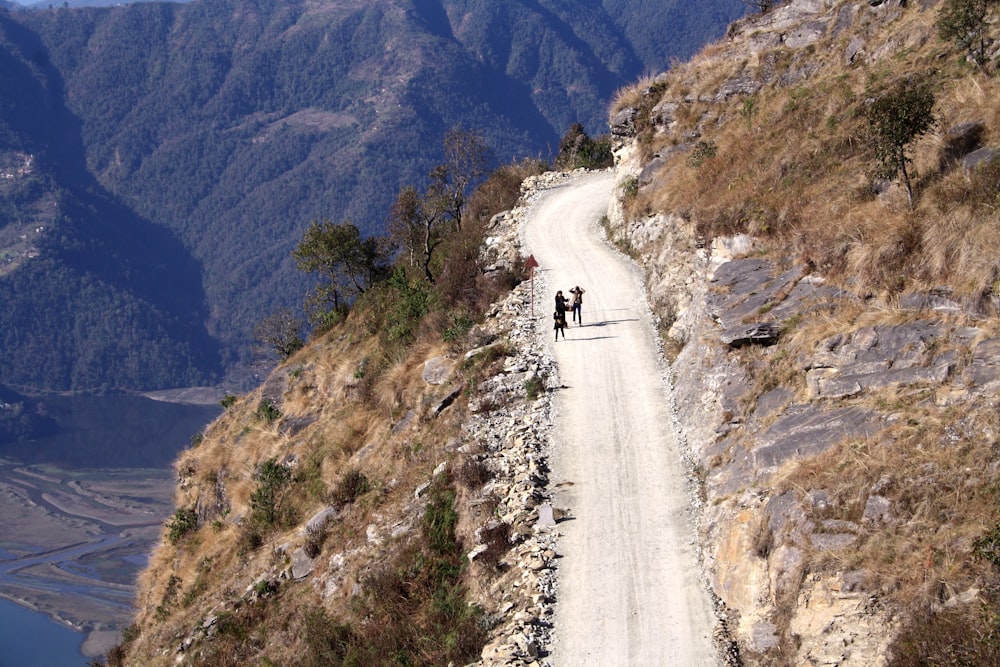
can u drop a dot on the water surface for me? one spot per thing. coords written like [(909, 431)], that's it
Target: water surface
[(31, 639)]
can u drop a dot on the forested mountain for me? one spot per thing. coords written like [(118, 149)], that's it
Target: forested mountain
[(189, 146), (92, 295)]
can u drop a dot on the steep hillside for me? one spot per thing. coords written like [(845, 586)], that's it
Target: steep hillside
[(834, 336), (370, 503), (233, 125), (835, 360)]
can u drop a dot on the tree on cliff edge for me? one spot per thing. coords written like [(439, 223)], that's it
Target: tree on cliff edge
[(419, 223), (346, 263)]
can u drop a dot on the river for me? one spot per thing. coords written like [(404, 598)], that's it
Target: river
[(79, 513), (30, 638)]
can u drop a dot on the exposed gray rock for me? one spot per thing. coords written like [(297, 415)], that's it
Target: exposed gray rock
[(623, 122), (854, 49), (302, 565), (982, 156), (984, 368), (438, 370), (962, 139), (805, 34), (878, 509), (401, 425), (292, 426), (319, 521), (448, 399), (760, 333), (833, 541)]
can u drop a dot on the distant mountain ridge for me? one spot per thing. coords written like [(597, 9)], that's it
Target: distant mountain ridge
[(225, 128)]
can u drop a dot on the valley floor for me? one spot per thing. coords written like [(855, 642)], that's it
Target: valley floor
[(71, 542)]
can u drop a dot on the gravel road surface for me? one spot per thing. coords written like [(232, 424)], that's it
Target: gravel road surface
[(628, 586)]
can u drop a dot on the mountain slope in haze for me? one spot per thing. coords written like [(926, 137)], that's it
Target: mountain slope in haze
[(91, 294), (233, 125)]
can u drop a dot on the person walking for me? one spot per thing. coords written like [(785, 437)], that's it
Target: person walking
[(577, 303), (560, 323)]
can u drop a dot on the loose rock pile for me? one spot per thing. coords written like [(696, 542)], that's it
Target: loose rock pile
[(513, 439)]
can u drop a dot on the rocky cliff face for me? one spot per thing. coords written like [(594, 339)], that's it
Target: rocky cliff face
[(826, 427)]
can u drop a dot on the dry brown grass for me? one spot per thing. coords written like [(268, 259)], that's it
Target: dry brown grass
[(632, 95), (932, 466), (791, 166), (341, 432), (791, 163)]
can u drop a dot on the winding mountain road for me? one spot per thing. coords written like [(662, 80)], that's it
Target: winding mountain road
[(628, 586)]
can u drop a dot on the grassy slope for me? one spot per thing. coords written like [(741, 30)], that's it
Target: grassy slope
[(791, 164), (791, 167), (351, 418)]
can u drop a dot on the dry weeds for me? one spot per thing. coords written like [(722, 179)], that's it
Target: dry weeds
[(791, 163)]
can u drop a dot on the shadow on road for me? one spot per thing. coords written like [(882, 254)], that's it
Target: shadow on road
[(590, 338)]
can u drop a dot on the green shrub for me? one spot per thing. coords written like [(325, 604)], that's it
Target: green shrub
[(414, 605), (228, 401), (180, 524), (351, 486), (327, 641), (394, 309), (440, 518), (267, 411), (702, 152), (460, 325), (577, 150), (169, 598), (534, 386), (987, 546), (272, 478)]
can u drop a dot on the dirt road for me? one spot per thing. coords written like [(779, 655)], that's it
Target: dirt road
[(628, 590)]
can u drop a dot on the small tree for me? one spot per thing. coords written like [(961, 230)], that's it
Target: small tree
[(272, 478), (346, 263), (467, 158), (419, 223), (964, 23), (416, 227), (280, 332), (576, 150), (895, 119)]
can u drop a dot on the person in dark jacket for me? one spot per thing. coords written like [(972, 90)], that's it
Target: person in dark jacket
[(561, 303), (559, 318)]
